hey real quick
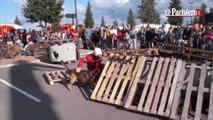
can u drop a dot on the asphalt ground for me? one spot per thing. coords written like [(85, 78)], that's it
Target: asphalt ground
[(25, 95)]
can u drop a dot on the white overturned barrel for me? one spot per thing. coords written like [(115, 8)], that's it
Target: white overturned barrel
[(65, 52)]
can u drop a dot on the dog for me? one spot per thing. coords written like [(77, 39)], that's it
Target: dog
[(83, 78)]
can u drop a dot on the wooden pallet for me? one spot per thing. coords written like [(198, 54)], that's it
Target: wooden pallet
[(147, 52), (161, 91), (56, 76), (185, 51), (199, 96), (155, 86), (116, 79)]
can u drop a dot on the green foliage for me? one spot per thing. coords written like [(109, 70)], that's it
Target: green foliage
[(196, 20), (175, 20), (102, 21), (130, 19), (89, 21), (17, 21), (147, 12), (47, 11)]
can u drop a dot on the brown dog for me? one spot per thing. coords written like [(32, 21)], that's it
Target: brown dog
[(82, 78)]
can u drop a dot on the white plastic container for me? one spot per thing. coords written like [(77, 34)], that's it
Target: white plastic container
[(65, 52)]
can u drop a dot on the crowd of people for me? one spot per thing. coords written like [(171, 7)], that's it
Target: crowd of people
[(113, 38), (126, 37), (24, 39)]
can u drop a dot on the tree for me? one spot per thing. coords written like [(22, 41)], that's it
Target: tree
[(147, 12), (202, 18), (47, 11), (211, 10), (56, 24), (17, 21), (102, 21), (115, 23), (130, 19), (196, 20), (89, 21), (175, 20)]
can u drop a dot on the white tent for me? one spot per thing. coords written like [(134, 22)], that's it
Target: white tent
[(156, 26)]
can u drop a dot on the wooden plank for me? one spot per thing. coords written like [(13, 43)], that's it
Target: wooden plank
[(173, 87), (123, 69), (106, 79), (65, 74), (145, 90), (53, 75), (178, 92), (210, 116), (194, 88), (200, 93), (138, 65), (128, 77), (49, 78), (47, 74), (188, 93), (58, 73), (111, 81), (95, 91), (160, 86), (155, 81), (133, 89), (166, 87)]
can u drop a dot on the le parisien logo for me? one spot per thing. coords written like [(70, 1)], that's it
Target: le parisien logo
[(184, 12)]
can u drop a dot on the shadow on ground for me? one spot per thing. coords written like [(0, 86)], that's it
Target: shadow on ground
[(24, 108)]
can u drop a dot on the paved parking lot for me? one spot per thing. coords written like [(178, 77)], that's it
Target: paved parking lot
[(24, 95)]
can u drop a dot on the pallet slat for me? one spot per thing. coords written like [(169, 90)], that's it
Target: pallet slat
[(94, 93), (145, 90), (106, 79), (132, 92), (123, 69), (166, 87), (177, 92), (210, 116), (200, 93), (188, 93), (124, 84), (173, 87), (111, 81), (153, 86), (160, 86)]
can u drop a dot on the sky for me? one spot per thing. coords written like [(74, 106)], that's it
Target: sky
[(110, 9)]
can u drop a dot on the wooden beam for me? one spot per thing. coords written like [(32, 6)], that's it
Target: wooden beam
[(210, 116), (147, 84), (100, 80), (200, 93), (188, 93), (135, 83), (166, 87), (155, 81)]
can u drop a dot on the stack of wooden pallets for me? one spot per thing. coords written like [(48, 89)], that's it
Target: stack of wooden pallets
[(184, 51), (162, 86)]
